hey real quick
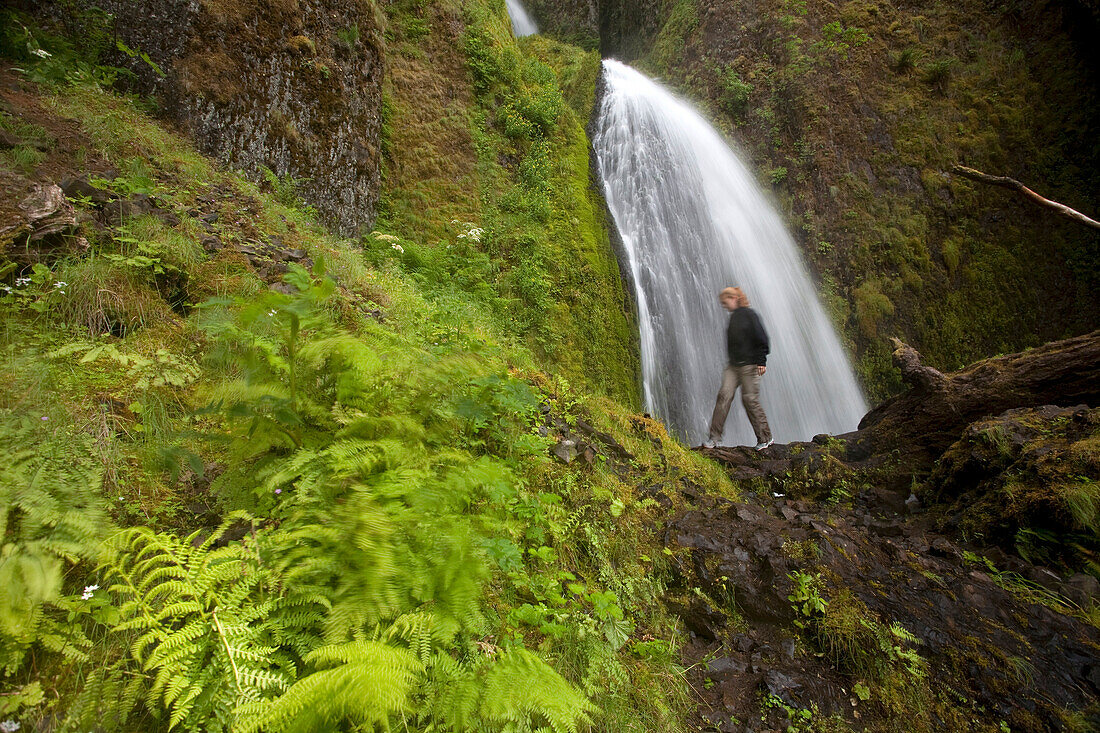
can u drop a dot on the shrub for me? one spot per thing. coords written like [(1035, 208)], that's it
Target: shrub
[(735, 93), (905, 61)]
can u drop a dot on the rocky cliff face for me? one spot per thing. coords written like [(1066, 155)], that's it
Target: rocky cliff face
[(620, 29), (289, 85)]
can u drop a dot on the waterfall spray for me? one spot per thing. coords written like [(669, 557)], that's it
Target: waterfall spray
[(692, 221), (522, 23)]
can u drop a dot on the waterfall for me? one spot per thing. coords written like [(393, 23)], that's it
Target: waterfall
[(522, 23), (692, 221)]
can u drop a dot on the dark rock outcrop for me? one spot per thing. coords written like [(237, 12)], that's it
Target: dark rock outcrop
[(619, 28), (289, 85), (996, 653)]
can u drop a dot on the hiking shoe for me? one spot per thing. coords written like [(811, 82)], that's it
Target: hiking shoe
[(764, 444)]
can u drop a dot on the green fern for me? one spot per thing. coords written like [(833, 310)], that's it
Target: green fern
[(199, 622), (362, 682), (517, 692), (346, 442), (50, 519)]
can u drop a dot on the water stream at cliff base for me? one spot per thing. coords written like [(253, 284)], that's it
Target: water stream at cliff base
[(692, 221)]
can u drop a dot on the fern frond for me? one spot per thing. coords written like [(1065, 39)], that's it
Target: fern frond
[(518, 691), (366, 683)]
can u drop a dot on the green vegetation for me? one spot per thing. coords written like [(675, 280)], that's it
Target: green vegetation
[(509, 167), (232, 507), (315, 490)]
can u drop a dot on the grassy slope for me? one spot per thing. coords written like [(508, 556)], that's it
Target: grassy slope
[(119, 374), (857, 144), (487, 142)]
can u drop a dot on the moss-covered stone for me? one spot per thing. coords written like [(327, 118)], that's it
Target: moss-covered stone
[(1029, 481), (293, 87)]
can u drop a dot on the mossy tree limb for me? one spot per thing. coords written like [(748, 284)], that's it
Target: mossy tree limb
[(1013, 184)]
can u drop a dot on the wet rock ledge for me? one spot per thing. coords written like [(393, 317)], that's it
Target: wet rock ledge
[(934, 570)]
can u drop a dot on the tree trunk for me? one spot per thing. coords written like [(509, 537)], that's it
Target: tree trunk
[(933, 413)]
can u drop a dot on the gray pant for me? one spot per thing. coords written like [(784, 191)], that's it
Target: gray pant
[(748, 379)]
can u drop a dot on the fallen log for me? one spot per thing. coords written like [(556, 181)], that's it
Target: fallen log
[(932, 414), (1013, 184)]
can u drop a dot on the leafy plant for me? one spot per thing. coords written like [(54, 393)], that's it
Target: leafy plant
[(806, 597), (203, 640), (349, 36), (51, 519), (839, 39), (905, 61), (735, 92), (937, 73)]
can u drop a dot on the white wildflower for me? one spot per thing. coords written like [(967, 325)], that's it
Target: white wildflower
[(89, 590), (399, 248), (60, 284), (22, 282), (385, 237), (8, 726), (474, 235), (271, 313), (5, 288), (41, 53)]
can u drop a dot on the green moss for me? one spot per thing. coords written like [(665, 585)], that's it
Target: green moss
[(871, 306), (577, 71), (683, 20), (549, 276)]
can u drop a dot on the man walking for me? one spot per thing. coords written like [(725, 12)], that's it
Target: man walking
[(747, 347)]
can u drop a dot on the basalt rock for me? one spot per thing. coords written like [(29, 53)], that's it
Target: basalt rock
[(293, 86), (974, 635)]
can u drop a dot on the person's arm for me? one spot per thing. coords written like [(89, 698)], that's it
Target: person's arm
[(762, 344)]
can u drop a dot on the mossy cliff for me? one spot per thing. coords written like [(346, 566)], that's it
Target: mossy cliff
[(487, 176), (854, 113), (291, 87)]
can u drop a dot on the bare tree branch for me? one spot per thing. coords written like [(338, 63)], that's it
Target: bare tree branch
[(1015, 185)]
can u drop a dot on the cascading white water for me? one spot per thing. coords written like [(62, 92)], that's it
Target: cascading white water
[(522, 23), (693, 221)]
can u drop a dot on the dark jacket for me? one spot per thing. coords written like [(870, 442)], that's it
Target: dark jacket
[(746, 339)]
